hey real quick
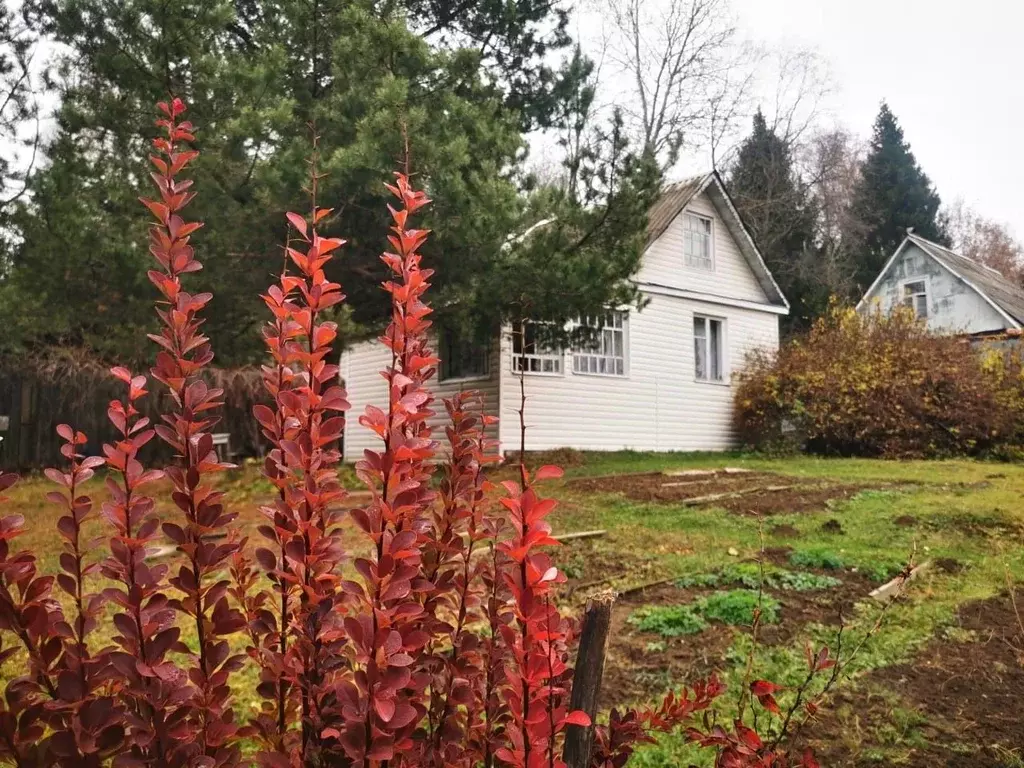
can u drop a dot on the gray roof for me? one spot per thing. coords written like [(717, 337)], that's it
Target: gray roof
[(675, 197), (1001, 291)]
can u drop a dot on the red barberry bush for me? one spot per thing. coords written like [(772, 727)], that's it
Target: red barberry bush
[(419, 629)]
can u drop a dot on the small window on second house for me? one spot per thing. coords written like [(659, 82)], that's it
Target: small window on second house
[(708, 360), (915, 296), (697, 242), (533, 351), (462, 358)]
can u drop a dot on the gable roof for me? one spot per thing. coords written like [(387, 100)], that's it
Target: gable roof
[(1002, 294), (674, 199)]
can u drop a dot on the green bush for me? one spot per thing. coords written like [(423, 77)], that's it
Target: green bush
[(737, 607), (882, 385), (816, 557), (667, 620)]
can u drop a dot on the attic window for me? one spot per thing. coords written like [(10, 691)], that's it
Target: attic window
[(697, 242), (915, 296)]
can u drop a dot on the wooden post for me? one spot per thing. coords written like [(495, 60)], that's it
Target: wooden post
[(586, 679)]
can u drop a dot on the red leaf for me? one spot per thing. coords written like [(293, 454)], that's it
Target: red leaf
[(764, 688), (548, 472), (578, 717), (298, 222)]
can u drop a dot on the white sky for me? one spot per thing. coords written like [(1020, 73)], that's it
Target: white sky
[(951, 72)]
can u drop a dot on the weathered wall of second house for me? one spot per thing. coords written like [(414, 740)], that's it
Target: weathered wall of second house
[(953, 306)]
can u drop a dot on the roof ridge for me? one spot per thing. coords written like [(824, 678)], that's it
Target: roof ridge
[(968, 259)]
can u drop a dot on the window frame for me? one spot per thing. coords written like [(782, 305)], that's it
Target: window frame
[(590, 353), (923, 279), (444, 345), (555, 355), (711, 240), (723, 347)]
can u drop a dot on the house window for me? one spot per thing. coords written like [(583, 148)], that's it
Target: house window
[(462, 358), (915, 296), (605, 352), (533, 351), (708, 360), (697, 242)]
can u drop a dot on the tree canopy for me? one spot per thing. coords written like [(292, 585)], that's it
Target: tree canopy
[(448, 86), (774, 203)]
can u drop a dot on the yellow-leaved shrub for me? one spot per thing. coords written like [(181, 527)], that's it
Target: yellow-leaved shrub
[(882, 385)]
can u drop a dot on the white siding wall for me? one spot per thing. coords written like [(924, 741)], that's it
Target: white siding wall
[(360, 368), (953, 306), (664, 263), (657, 406)]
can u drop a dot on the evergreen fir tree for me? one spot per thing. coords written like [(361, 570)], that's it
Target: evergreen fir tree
[(775, 206), (893, 194)]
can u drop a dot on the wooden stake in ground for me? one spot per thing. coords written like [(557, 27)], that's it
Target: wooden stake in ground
[(586, 680)]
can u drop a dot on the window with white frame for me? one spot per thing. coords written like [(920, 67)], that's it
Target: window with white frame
[(915, 296), (604, 353), (533, 349), (708, 348), (462, 358), (697, 242)]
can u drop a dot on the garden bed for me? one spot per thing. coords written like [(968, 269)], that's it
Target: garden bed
[(641, 665), (964, 690), (742, 492)]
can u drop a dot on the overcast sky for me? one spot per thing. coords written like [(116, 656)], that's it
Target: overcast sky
[(951, 71)]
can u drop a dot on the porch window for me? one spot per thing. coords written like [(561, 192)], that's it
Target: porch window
[(915, 296), (605, 353), (697, 242), (462, 358), (532, 349), (707, 349)]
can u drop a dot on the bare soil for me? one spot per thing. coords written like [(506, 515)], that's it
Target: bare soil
[(785, 532), (966, 686), (751, 493), (636, 671)]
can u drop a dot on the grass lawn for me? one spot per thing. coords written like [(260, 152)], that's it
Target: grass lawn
[(937, 684)]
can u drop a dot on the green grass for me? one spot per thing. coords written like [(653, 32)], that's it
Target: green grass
[(965, 510)]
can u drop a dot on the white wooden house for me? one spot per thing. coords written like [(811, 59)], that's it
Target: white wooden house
[(951, 293), (657, 379)]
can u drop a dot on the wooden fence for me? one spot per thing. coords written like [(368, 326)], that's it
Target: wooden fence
[(33, 404)]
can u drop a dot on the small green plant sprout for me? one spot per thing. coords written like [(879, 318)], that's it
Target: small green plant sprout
[(737, 607), (881, 570), (667, 620), (816, 557), (803, 581), (699, 580), (749, 575)]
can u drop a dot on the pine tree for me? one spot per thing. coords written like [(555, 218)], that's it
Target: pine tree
[(775, 206), (376, 82), (893, 194)]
